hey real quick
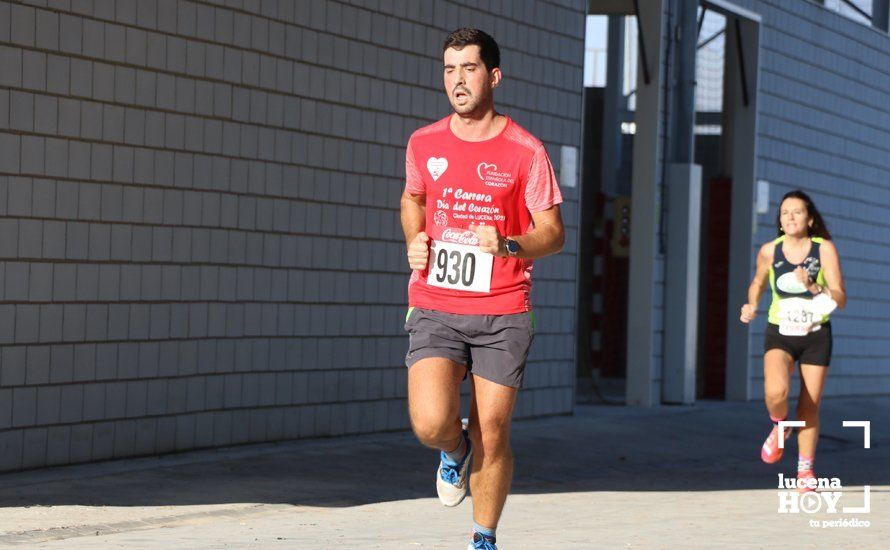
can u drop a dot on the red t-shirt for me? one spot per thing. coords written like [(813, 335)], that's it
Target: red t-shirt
[(500, 181)]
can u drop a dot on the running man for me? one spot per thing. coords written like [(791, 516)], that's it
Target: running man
[(804, 272), (480, 203)]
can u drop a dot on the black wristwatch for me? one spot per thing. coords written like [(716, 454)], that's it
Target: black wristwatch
[(512, 247)]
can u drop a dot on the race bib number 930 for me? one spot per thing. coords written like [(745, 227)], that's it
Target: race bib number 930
[(459, 267)]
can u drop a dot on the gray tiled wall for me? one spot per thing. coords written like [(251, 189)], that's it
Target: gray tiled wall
[(199, 234)]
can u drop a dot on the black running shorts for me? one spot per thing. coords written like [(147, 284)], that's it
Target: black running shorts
[(811, 349)]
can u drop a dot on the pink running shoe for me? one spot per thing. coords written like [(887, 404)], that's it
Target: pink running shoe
[(770, 452), (802, 476)]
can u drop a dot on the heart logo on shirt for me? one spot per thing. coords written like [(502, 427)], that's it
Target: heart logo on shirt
[(436, 166), (484, 168)]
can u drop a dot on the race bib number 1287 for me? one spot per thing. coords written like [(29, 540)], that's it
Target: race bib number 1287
[(801, 316), (459, 267)]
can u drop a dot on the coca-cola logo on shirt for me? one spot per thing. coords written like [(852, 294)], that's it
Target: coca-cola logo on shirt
[(460, 236)]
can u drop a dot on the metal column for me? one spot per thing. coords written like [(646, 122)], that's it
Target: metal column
[(880, 14), (682, 218)]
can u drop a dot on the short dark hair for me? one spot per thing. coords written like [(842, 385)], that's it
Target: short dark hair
[(488, 48), (818, 229)]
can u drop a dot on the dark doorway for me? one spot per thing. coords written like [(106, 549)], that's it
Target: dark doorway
[(716, 205), (604, 235)]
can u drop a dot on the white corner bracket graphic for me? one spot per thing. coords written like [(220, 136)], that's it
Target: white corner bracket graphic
[(866, 430), (866, 503), (788, 424)]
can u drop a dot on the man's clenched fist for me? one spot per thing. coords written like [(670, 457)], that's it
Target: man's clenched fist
[(489, 239), (419, 251)]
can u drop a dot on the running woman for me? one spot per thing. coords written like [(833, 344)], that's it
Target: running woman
[(480, 203), (802, 268)]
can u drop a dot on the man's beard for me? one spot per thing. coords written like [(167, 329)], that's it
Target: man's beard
[(472, 106), (465, 109)]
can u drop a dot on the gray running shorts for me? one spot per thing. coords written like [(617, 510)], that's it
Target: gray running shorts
[(494, 347)]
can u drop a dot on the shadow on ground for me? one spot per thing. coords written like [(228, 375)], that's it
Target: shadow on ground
[(706, 447)]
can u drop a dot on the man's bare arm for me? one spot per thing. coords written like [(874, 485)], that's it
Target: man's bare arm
[(546, 238), (413, 214)]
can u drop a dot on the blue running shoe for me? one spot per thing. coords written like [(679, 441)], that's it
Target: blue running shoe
[(481, 542), (453, 480)]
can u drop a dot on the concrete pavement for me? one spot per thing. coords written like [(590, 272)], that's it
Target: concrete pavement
[(607, 477)]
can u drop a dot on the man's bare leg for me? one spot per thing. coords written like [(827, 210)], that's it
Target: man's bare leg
[(434, 402), (491, 413)]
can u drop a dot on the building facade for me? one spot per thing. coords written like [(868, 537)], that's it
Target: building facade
[(199, 230), (804, 102)]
